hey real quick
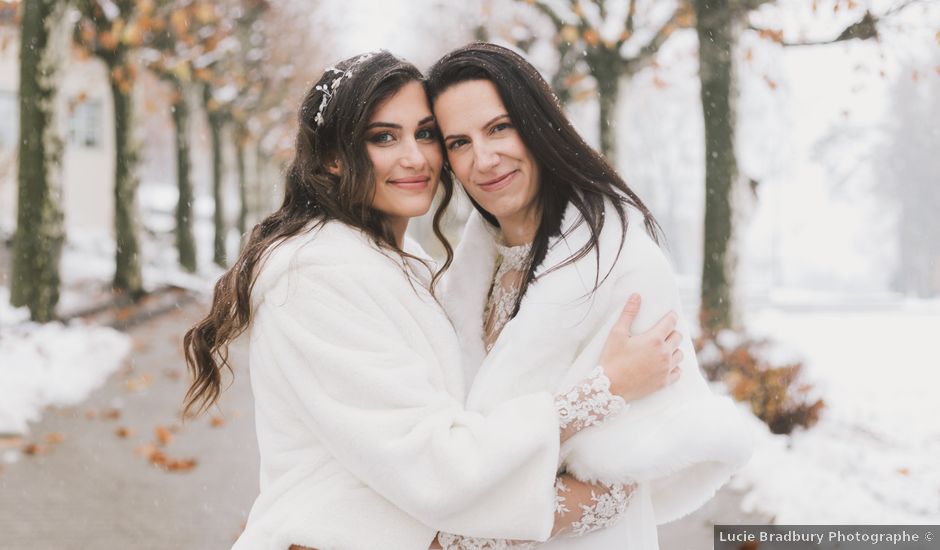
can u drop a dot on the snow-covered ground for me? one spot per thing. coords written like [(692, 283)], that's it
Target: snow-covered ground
[(50, 364), (874, 456), (60, 364)]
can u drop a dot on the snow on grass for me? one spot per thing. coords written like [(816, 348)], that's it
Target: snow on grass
[(50, 364), (874, 455)]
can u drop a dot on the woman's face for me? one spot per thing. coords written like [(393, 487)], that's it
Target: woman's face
[(401, 141), (486, 152)]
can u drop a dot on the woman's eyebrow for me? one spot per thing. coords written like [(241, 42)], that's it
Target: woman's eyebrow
[(487, 123), (383, 125), (380, 124)]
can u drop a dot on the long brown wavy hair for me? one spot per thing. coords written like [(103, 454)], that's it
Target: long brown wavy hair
[(329, 135), (570, 171)]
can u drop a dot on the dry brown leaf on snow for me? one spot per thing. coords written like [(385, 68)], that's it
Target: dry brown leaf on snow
[(33, 449), (54, 437), (137, 384), (216, 421), (91, 413), (123, 432), (111, 414), (181, 464), (164, 436), (164, 462)]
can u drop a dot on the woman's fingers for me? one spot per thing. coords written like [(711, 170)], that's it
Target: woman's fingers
[(665, 326), (677, 357), (628, 315), (674, 375), (673, 341)]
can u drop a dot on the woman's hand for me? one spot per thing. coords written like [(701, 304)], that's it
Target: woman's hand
[(640, 364)]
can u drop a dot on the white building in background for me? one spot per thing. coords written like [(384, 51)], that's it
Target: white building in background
[(87, 127), (84, 102)]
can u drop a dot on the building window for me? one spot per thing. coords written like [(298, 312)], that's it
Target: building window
[(9, 111), (85, 124)]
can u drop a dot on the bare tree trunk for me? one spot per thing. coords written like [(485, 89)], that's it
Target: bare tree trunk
[(608, 110), (607, 71), (241, 139), (127, 275), (262, 204), (215, 131), (185, 242), (715, 25), (37, 244)]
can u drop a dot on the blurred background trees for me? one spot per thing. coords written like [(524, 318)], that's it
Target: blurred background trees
[(232, 73)]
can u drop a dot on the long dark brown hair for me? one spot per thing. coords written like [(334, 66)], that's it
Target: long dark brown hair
[(570, 171), (333, 134)]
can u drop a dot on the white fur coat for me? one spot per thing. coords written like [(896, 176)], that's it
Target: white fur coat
[(681, 443), (359, 404)]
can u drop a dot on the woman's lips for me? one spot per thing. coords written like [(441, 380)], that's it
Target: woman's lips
[(499, 183), (415, 182)]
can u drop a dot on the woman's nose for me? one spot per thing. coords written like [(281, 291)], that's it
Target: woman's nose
[(413, 156), (484, 157)]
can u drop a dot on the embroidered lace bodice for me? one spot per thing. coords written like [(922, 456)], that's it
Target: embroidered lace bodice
[(585, 404), (510, 269)]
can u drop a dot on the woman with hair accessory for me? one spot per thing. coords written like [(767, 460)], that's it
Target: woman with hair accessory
[(355, 369), (556, 243)]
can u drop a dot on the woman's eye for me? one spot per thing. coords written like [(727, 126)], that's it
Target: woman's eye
[(384, 137), (453, 145), (501, 126), (426, 133)]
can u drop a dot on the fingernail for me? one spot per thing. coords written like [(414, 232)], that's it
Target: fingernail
[(634, 298)]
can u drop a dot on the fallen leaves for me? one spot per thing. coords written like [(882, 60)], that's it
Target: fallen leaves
[(15, 444), (139, 383), (159, 459), (123, 432), (216, 421), (11, 442), (163, 434), (33, 449)]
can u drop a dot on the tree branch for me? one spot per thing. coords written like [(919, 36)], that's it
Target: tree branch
[(634, 64), (864, 29), (629, 24), (548, 11)]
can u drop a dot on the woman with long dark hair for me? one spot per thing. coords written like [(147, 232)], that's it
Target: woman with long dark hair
[(364, 439), (556, 242)]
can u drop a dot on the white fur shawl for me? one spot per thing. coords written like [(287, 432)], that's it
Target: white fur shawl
[(363, 435), (681, 443)]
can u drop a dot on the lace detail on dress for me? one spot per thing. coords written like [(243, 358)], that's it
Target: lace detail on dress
[(607, 506), (511, 265), (588, 403), (605, 509), (560, 488), (459, 542)]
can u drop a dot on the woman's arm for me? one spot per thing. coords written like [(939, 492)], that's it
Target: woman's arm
[(580, 508)]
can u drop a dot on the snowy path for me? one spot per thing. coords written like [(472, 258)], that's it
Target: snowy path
[(94, 489)]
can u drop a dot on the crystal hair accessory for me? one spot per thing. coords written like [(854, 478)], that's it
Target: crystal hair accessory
[(330, 90)]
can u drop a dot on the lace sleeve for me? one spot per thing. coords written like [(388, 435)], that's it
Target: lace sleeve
[(580, 508), (587, 403)]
